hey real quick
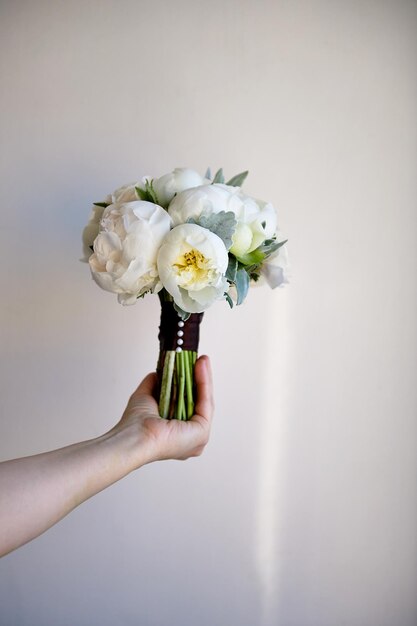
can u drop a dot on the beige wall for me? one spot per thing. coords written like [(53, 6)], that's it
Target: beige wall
[(302, 512)]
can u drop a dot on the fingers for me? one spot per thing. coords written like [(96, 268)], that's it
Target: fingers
[(204, 406), (173, 439)]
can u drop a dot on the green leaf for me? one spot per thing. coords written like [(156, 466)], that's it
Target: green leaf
[(229, 300), (151, 191), (252, 258), (219, 176), (231, 269), (102, 204), (242, 285), (143, 194), (238, 180), (208, 173), (222, 224)]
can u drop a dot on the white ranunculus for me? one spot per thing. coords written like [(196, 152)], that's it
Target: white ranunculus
[(192, 263), (180, 179), (126, 249), (276, 269), (256, 220), (90, 232)]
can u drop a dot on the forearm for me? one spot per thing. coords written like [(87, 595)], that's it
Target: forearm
[(38, 491)]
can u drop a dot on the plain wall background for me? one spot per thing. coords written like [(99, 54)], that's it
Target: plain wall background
[(303, 509)]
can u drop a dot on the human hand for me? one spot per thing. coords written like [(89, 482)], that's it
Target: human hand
[(51, 484), (169, 439)]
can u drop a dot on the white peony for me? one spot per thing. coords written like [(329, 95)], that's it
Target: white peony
[(126, 249), (126, 193), (192, 263), (180, 179), (91, 231), (256, 220), (276, 269)]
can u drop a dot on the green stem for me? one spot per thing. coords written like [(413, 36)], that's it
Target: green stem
[(189, 383), (166, 384), (181, 383)]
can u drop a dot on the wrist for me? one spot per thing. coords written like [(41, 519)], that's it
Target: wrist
[(129, 446)]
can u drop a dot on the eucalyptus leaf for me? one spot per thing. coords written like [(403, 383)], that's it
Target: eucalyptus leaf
[(229, 300), (219, 176), (271, 246), (238, 180), (208, 173), (231, 269), (222, 224), (281, 243), (242, 285)]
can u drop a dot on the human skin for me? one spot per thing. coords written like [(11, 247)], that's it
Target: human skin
[(38, 491)]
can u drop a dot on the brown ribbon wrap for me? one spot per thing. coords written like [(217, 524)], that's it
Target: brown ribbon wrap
[(168, 329)]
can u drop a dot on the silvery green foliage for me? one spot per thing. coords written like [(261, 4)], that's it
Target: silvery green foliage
[(222, 224), (219, 176), (235, 181), (238, 180)]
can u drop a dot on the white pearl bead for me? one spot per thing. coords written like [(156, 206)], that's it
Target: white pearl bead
[(180, 333), (178, 350), (180, 323), (180, 342)]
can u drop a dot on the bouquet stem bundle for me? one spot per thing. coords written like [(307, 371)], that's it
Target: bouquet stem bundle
[(178, 348)]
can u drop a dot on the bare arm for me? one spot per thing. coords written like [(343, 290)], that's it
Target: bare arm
[(38, 491)]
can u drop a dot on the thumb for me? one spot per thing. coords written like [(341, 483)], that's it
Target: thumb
[(147, 387)]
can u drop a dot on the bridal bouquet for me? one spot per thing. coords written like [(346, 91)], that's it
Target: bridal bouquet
[(192, 240)]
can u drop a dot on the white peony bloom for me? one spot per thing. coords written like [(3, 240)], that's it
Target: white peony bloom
[(192, 263), (126, 249), (126, 193), (256, 220), (90, 232), (180, 179), (276, 269)]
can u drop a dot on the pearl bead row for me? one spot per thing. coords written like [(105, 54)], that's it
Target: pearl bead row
[(180, 334)]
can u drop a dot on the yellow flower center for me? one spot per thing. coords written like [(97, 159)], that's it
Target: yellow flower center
[(193, 270)]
